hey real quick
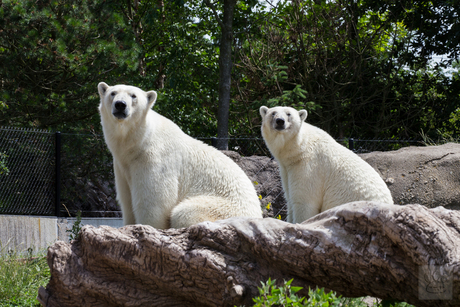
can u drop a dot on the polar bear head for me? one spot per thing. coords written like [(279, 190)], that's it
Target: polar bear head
[(281, 120), (122, 103)]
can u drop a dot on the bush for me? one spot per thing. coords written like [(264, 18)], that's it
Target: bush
[(285, 296)]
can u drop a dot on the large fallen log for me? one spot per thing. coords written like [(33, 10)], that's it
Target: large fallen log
[(408, 253)]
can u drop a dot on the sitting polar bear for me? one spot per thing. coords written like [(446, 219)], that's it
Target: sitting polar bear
[(163, 177), (317, 173)]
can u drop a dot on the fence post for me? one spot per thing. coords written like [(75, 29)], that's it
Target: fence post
[(58, 174), (351, 144), (214, 142)]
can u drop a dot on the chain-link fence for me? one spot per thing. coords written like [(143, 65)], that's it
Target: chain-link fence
[(39, 169), (245, 146), (27, 172), (87, 180)]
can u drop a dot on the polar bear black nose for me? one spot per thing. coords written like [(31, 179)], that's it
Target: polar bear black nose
[(279, 121), (120, 105)]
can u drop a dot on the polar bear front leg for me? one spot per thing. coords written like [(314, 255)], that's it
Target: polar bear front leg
[(285, 186), (124, 196), (155, 191), (304, 211), (305, 197)]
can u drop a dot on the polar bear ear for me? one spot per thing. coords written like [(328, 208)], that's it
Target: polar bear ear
[(102, 88), (263, 110), (303, 115), (151, 98)]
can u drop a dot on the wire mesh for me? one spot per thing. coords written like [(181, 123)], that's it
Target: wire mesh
[(245, 146), (27, 172), (88, 183)]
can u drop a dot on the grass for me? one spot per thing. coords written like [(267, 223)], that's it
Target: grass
[(443, 138), (20, 279)]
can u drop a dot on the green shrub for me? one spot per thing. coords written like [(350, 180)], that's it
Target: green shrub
[(76, 227), (285, 296), (271, 295)]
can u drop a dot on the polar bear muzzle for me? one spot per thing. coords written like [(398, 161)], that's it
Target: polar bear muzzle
[(119, 109), (280, 124)]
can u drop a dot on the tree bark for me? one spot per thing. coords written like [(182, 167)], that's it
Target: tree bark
[(408, 253), (225, 74)]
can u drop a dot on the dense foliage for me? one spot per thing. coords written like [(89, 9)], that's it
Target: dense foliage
[(356, 71), (361, 68), (52, 54)]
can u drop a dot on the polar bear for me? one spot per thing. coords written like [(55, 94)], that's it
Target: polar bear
[(163, 177), (317, 173)]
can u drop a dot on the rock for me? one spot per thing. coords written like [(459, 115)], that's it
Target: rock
[(429, 175), (264, 173)]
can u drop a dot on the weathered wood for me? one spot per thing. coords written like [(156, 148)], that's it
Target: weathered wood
[(357, 249)]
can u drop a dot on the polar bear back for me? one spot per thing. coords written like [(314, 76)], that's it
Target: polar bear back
[(196, 169), (346, 177), (202, 168)]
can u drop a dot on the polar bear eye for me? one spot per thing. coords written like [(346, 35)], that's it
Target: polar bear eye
[(133, 96), (113, 94), (288, 114)]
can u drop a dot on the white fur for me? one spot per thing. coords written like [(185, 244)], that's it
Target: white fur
[(317, 173), (165, 178)]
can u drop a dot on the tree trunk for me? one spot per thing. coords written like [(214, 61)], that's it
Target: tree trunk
[(225, 74), (408, 253)]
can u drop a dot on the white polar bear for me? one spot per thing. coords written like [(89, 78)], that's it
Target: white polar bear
[(163, 177), (317, 173)]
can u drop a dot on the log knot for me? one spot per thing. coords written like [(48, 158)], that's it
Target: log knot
[(236, 291)]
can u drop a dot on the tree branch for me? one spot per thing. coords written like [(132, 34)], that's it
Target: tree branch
[(216, 15)]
